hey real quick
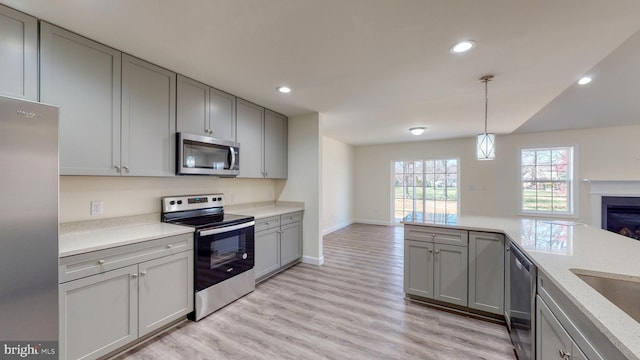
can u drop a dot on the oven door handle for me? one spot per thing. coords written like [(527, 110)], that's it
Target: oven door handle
[(226, 229)]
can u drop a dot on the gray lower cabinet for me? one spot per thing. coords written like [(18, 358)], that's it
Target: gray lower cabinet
[(98, 314), (552, 341), (204, 110), (563, 331), (262, 135), (486, 272), (117, 113), (267, 252), (278, 244), (434, 268), (18, 54), (103, 312), (290, 243)]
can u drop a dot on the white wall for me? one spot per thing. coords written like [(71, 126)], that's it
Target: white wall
[(124, 196), (492, 187), (338, 161), (304, 181)]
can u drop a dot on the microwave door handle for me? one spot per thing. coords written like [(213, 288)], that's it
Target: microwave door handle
[(233, 157)]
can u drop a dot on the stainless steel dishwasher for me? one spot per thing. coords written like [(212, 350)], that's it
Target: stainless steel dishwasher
[(522, 287)]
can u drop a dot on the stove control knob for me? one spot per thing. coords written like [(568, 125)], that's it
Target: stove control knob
[(179, 202), (172, 202), (244, 256), (219, 199)]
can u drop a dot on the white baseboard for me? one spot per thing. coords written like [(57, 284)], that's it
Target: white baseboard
[(337, 227), (313, 260), (373, 222)]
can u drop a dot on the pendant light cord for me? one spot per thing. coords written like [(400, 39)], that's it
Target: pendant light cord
[(486, 104), (485, 79)]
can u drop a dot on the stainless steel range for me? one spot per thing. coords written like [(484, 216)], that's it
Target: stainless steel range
[(224, 249)]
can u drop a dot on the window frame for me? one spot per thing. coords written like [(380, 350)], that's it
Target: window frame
[(392, 183), (572, 184)]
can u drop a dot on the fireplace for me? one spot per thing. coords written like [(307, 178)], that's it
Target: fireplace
[(621, 215)]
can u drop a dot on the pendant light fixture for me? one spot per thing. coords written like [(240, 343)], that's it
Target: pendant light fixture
[(486, 145)]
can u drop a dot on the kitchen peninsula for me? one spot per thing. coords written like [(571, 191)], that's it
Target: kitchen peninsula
[(561, 250)]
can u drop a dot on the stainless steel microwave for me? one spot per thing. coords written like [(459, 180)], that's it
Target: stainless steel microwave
[(203, 155)]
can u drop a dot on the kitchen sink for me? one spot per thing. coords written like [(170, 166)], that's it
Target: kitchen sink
[(625, 294)]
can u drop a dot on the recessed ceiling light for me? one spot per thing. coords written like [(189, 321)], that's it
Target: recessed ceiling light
[(462, 46), (417, 130), (584, 80), (284, 89)]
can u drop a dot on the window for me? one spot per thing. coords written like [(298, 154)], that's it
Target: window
[(546, 176), (425, 190)]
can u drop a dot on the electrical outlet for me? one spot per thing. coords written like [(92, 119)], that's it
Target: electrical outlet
[(97, 207)]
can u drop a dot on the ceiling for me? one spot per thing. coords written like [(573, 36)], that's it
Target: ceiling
[(374, 68)]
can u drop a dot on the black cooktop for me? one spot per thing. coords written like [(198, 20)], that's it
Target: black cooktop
[(205, 218)]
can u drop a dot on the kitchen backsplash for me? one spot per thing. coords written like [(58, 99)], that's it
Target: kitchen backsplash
[(125, 196)]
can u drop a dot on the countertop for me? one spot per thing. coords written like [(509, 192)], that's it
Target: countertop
[(556, 247), (264, 210), (87, 240)]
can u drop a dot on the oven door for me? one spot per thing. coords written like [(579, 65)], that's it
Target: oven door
[(222, 253)]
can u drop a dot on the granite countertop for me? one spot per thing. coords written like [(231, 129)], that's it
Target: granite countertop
[(264, 210), (82, 237), (556, 247)]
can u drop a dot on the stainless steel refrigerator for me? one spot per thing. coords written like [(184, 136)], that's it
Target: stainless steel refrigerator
[(28, 229)]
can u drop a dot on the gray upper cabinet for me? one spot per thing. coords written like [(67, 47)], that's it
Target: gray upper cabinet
[(275, 145), (250, 136), (18, 54), (148, 119), (192, 107), (203, 110), (486, 272), (222, 114), (262, 135), (83, 78)]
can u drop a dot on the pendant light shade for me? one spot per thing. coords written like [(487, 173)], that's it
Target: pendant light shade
[(486, 146), (486, 143)]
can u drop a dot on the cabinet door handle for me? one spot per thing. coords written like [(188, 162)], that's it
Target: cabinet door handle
[(434, 235), (143, 273), (437, 251), (117, 168), (134, 275), (430, 250), (101, 262), (564, 355), (170, 246)]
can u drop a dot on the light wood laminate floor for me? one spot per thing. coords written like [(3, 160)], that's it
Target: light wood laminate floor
[(352, 307)]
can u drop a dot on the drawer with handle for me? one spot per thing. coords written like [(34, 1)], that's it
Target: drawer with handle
[(96, 262), (267, 223), (291, 218)]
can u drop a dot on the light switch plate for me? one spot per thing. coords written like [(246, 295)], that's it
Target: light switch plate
[(97, 207)]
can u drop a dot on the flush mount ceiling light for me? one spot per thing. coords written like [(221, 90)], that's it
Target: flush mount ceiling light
[(584, 80), (462, 46), (284, 89), (486, 145), (417, 130)]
